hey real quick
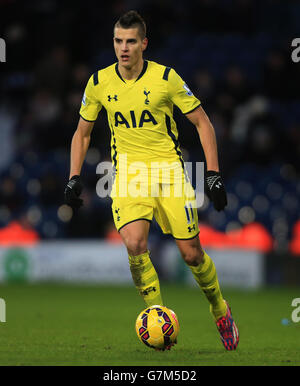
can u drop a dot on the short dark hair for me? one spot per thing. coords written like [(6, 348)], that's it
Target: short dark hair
[(132, 19)]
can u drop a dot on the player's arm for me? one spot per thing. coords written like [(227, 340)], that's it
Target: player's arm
[(89, 110), (189, 105), (214, 185), (182, 96), (79, 146), (207, 137)]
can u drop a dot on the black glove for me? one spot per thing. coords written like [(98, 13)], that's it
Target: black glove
[(215, 189), (72, 193)]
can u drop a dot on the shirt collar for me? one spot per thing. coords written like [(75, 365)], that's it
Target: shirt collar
[(139, 77)]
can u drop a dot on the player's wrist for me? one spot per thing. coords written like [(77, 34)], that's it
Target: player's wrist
[(75, 177), (215, 189), (213, 172), (72, 192)]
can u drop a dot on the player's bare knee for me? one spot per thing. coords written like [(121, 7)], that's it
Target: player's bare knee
[(136, 246), (193, 256)]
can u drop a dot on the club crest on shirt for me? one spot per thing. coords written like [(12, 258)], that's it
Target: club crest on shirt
[(147, 99), (117, 213), (188, 91)]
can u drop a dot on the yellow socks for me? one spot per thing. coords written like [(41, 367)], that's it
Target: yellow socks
[(145, 278), (146, 281), (206, 276)]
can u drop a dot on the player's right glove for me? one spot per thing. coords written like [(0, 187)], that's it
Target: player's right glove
[(215, 189), (73, 191)]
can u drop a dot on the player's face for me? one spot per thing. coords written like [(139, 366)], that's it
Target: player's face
[(129, 46)]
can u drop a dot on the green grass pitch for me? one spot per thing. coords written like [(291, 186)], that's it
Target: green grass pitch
[(54, 324)]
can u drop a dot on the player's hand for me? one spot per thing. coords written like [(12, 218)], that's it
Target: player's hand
[(72, 193), (215, 189)]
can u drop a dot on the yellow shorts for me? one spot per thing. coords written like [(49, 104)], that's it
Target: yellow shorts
[(176, 214)]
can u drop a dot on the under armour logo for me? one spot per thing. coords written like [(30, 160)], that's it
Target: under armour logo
[(214, 180), (147, 290), (191, 228), (147, 99), (110, 98)]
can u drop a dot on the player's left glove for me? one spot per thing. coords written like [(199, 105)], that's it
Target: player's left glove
[(215, 189), (72, 193)]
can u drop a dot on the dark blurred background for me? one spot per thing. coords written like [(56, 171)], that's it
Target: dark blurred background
[(235, 55)]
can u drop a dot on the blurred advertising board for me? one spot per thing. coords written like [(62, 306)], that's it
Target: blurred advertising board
[(240, 268), (102, 262), (74, 261)]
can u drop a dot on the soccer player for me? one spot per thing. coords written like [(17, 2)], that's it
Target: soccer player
[(139, 96)]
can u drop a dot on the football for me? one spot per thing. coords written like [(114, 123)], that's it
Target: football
[(157, 327)]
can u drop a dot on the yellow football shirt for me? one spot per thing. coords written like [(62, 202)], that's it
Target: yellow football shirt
[(140, 111)]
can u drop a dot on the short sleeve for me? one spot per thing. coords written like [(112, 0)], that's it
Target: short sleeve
[(180, 94), (90, 104)]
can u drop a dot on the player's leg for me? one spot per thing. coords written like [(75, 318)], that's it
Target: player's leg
[(144, 275), (177, 214), (204, 272)]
